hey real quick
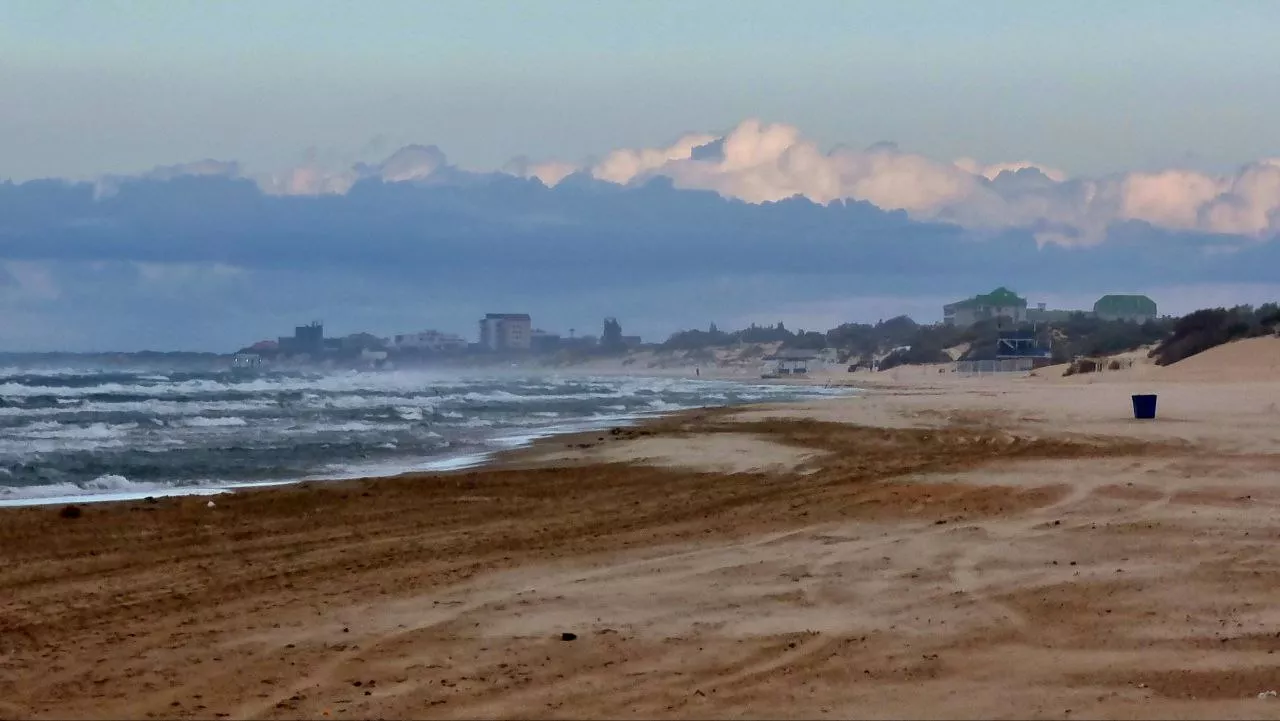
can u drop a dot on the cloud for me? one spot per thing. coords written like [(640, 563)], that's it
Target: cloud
[(759, 162), (756, 223), (25, 282), (624, 166), (991, 172)]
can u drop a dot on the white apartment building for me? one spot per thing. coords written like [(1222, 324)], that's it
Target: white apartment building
[(506, 331)]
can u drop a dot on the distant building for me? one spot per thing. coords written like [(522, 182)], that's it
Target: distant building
[(999, 303), (429, 340), (579, 343), (506, 332), (1042, 314), (541, 341), (1131, 308), (362, 341), (611, 338), (1019, 344), (789, 362), (306, 339)]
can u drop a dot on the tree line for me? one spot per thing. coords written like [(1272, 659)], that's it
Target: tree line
[(903, 341)]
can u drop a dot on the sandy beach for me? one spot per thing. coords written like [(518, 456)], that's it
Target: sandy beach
[(938, 547)]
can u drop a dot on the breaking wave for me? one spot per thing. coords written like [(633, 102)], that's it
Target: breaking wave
[(71, 433)]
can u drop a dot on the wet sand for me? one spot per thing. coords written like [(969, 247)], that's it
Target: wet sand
[(937, 548)]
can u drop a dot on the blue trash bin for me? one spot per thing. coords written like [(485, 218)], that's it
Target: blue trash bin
[(1144, 407)]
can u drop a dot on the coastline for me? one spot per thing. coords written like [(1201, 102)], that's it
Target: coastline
[(938, 546), (500, 445)]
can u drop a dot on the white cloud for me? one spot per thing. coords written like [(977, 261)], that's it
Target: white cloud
[(1251, 205), (759, 162), (623, 166), (410, 163), (308, 179), (1170, 199), (969, 165)]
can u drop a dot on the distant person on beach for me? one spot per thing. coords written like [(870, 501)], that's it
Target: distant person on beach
[(697, 372)]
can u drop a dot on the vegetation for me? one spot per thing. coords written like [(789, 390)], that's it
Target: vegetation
[(1205, 329), (1086, 335), (716, 338), (914, 355), (902, 341)]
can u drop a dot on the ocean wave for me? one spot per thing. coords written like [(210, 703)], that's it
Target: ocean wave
[(353, 427), (55, 430), (106, 483), (146, 407), (150, 384), (12, 449), (167, 429), (660, 405), (215, 422)]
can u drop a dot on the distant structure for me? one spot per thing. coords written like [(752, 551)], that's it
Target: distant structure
[(306, 339), (1004, 303), (429, 340), (999, 303), (506, 332), (1043, 314), (1131, 308), (540, 341), (611, 338), (1019, 344), (788, 363)]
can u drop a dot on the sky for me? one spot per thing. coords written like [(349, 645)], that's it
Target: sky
[(1089, 86), (225, 170)]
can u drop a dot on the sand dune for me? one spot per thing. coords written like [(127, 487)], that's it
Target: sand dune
[(1253, 359)]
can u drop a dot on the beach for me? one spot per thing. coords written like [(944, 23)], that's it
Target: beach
[(939, 546)]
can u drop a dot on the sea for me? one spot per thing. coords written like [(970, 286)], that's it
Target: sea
[(87, 434)]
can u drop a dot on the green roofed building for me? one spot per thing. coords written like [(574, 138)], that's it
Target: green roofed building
[(1132, 308), (999, 303)]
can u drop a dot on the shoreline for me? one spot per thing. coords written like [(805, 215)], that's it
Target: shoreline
[(953, 548), (501, 446)]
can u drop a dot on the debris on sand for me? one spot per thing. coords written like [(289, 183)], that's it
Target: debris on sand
[(70, 512)]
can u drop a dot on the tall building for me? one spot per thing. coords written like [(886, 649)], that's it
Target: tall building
[(506, 331)]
